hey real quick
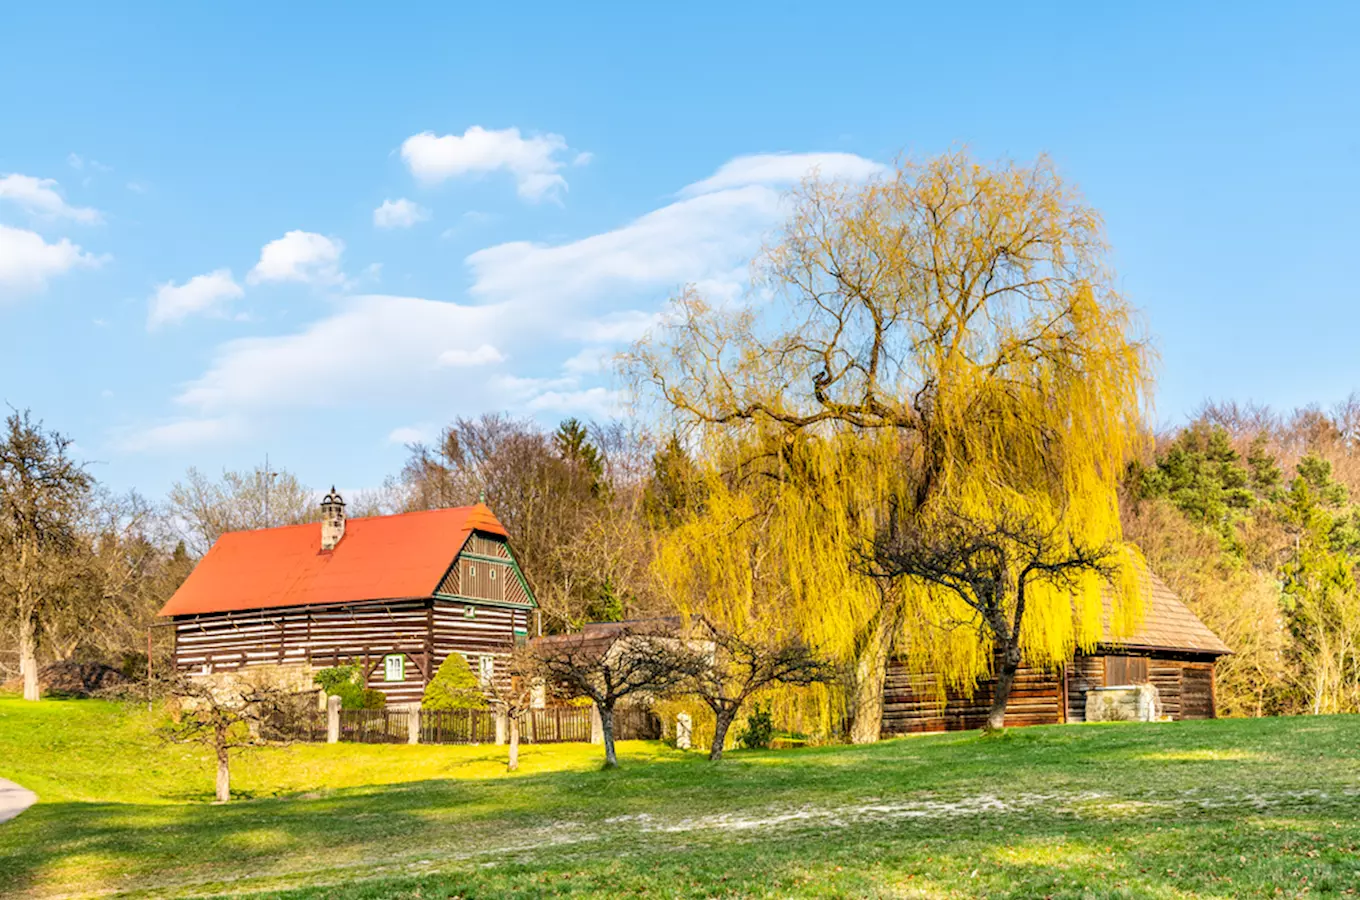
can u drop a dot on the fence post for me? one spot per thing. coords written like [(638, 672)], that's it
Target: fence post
[(502, 725), (596, 725), (413, 724), (684, 730), (332, 720)]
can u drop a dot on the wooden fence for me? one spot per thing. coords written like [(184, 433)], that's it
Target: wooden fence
[(567, 724), (557, 725), (375, 726), (457, 726)]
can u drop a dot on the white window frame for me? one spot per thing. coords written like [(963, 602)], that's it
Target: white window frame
[(486, 668), (397, 660)]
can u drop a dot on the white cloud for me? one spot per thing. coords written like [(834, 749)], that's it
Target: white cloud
[(596, 402), (622, 327), (407, 435), (401, 213), (205, 294), (786, 169), (39, 197), (534, 161), (590, 361), (706, 237), (374, 348), (300, 256), (181, 434), (484, 355), (561, 308), (27, 261)]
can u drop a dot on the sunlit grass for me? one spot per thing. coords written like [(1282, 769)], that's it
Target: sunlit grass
[(1209, 809)]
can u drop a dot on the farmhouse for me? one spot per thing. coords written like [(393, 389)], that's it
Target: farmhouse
[(1172, 650), (393, 594)]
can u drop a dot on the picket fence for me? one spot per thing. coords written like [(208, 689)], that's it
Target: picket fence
[(474, 726)]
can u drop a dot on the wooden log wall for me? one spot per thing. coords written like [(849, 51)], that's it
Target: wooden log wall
[(489, 630), (1186, 688), (1083, 673), (910, 704)]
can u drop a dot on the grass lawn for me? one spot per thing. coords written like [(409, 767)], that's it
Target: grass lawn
[(1223, 809)]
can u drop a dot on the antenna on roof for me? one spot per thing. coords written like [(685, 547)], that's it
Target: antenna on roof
[(268, 480)]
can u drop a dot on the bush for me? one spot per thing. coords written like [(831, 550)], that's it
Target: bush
[(454, 687), (346, 683), (759, 730)]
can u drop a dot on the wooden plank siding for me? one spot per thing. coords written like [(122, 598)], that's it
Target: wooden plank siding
[(910, 701), (911, 704), (425, 631)]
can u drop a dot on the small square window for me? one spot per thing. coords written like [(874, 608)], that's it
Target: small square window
[(394, 667), (469, 612)]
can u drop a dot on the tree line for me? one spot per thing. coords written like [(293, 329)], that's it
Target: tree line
[(923, 434)]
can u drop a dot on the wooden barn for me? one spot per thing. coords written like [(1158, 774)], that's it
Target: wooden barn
[(1173, 650), (393, 594)]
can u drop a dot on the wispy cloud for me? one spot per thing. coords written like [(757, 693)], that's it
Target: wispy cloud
[(200, 295), (40, 197), (400, 213)]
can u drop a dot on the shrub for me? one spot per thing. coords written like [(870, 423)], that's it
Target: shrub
[(346, 683), (454, 687), (759, 730)]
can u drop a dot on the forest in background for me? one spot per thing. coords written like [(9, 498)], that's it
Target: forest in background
[(1250, 515)]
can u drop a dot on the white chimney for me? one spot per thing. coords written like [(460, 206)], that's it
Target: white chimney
[(332, 519)]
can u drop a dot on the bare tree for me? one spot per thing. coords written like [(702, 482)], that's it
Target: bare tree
[(205, 509), (612, 663), (992, 567), (43, 493), (225, 718), (512, 698), (741, 664)]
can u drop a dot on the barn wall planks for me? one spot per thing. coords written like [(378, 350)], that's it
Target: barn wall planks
[(911, 704)]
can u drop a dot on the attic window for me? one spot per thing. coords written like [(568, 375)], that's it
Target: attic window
[(469, 612), (493, 574)]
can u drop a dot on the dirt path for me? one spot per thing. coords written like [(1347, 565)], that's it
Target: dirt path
[(14, 799)]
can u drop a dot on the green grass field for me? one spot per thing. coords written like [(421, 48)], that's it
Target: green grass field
[(1224, 809)]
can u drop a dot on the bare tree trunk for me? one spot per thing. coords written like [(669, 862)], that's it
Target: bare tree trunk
[(870, 671), (1005, 680), (513, 765), (28, 655), (223, 775), (611, 760), (722, 721)]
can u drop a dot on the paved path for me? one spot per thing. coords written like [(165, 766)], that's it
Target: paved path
[(14, 799)]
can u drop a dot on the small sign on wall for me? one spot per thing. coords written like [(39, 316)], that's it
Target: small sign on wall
[(394, 667)]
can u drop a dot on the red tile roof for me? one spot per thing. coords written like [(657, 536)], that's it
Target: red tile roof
[(379, 558)]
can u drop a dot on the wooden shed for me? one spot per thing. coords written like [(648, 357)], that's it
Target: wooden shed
[(393, 594), (1172, 649)]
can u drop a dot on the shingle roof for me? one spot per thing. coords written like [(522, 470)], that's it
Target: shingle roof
[(379, 558), (1168, 624)]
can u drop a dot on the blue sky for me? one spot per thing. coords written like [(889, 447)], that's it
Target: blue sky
[(320, 231)]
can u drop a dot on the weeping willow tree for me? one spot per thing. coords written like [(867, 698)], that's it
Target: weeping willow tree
[(943, 341)]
